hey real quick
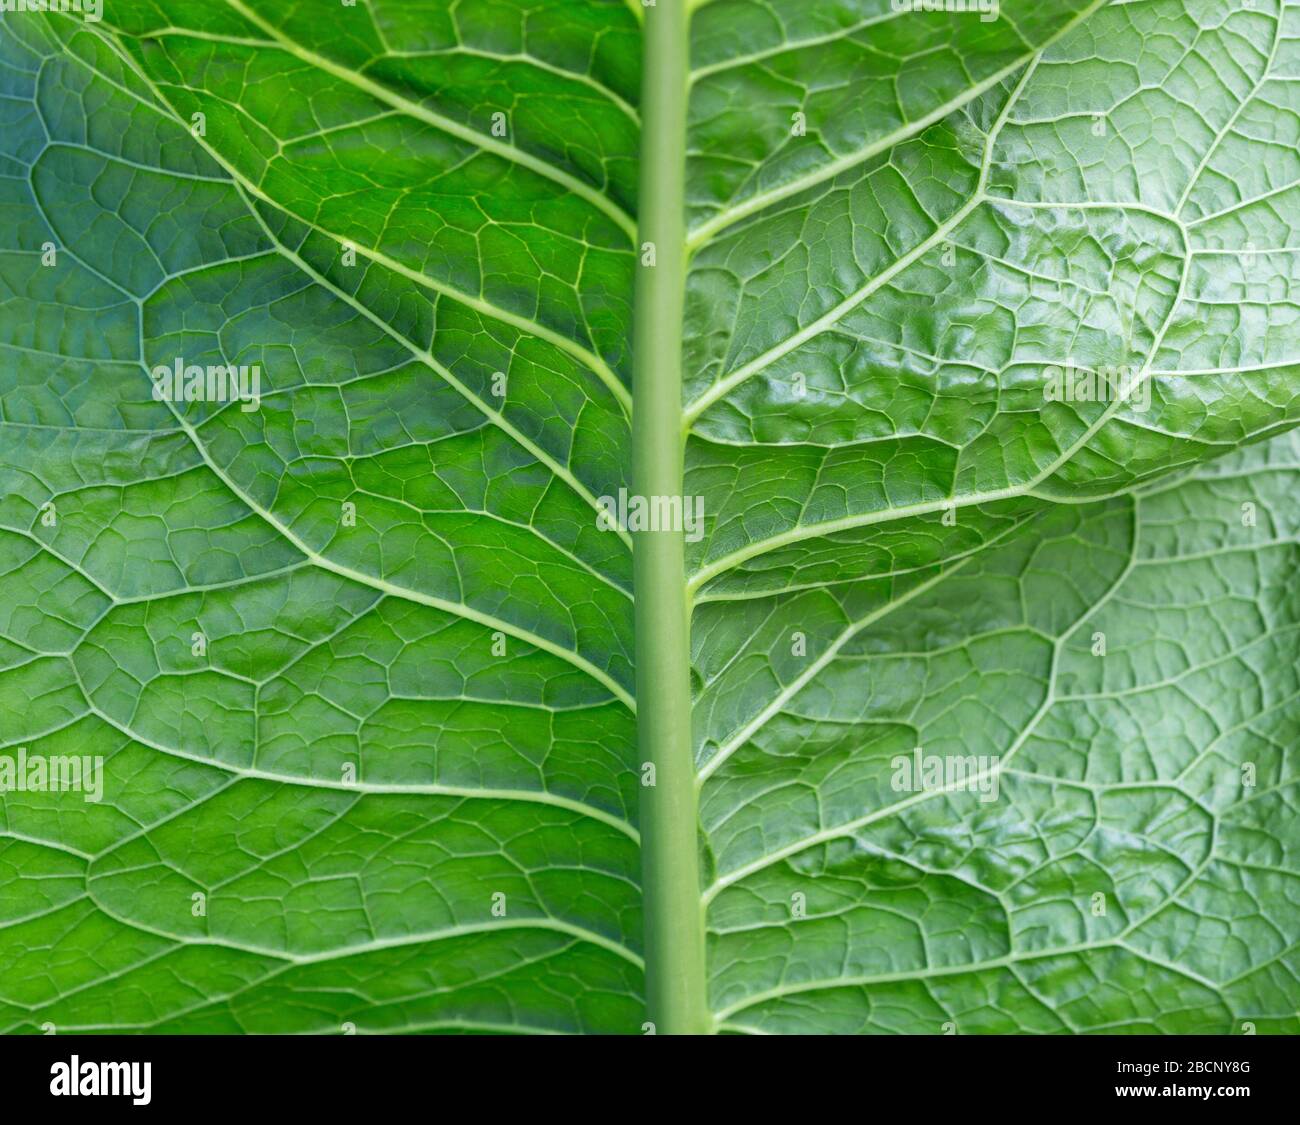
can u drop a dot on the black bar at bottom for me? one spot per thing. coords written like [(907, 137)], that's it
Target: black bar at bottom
[(365, 1073)]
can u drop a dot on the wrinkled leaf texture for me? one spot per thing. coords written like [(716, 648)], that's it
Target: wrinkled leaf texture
[(871, 309)]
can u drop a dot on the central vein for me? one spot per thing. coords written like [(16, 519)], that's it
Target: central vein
[(674, 927)]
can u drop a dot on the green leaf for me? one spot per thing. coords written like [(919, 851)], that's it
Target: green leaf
[(1112, 856), (969, 704)]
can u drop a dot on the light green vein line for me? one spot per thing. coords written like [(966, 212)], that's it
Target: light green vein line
[(813, 669), (709, 597), (1213, 147), (790, 46), (850, 827), (528, 796), (580, 78), (407, 940), (832, 316), (846, 523), (949, 971), (459, 609), (612, 96), (458, 1025), (583, 355), (559, 471), (712, 227), (445, 124)]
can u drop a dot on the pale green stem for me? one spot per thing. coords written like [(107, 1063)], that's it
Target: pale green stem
[(675, 972)]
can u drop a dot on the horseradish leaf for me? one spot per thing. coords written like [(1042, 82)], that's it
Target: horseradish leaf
[(574, 516)]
